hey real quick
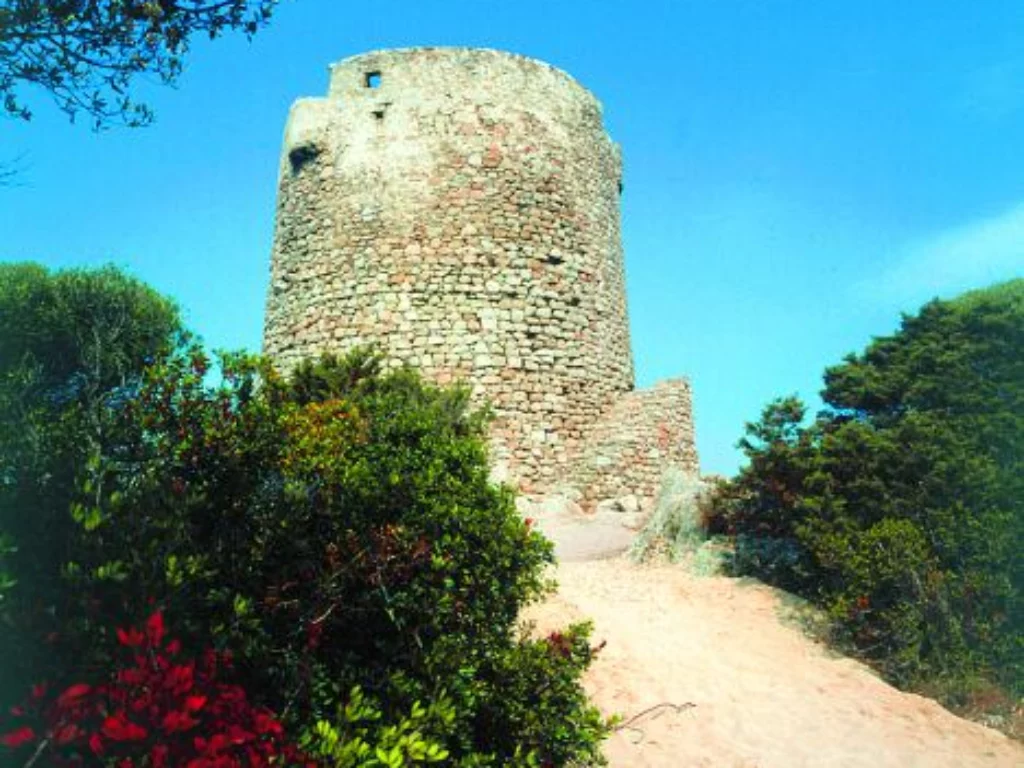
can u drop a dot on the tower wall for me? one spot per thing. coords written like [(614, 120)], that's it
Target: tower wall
[(460, 208)]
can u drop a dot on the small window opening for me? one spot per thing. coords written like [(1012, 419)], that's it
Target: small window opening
[(372, 80), (302, 155), (378, 114), (555, 259)]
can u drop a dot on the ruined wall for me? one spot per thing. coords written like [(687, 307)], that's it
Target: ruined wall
[(640, 436), (460, 208)]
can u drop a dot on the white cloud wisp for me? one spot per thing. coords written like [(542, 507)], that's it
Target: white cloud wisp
[(968, 256)]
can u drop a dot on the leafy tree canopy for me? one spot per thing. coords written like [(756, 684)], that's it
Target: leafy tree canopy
[(900, 508), (96, 327), (72, 344), (88, 53)]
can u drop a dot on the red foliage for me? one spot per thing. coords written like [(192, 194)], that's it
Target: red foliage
[(17, 737), (156, 710), (559, 644)]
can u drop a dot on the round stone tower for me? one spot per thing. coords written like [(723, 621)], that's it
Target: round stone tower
[(460, 208)]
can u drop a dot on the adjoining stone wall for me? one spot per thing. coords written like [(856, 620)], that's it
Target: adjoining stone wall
[(630, 447), (460, 209)]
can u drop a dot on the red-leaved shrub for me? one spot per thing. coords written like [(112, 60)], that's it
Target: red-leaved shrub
[(157, 710)]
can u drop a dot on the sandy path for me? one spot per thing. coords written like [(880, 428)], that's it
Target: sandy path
[(765, 696)]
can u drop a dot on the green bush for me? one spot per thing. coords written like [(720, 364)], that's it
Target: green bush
[(335, 530), (542, 700), (73, 345), (900, 508)]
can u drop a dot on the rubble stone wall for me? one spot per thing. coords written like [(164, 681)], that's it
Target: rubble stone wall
[(460, 208), (630, 447)]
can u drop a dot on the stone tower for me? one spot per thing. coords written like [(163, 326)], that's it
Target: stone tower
[(460, 208)]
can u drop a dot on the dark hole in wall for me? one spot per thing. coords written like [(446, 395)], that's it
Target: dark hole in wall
[(372, 80), (378, 114), (555, 258), (620, 186), (302, 156)]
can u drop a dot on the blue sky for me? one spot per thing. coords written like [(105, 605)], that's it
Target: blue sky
[(796, 174)]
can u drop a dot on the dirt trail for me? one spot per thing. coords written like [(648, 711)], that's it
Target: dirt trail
[(764, 695)]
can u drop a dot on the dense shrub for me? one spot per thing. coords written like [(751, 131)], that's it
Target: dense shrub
[(73, 344), (335, 530), (900, 508)]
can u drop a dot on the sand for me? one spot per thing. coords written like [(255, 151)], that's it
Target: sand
[(750, 690)]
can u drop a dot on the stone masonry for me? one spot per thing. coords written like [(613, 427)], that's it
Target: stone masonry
[(460, 208), (629, 447)]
